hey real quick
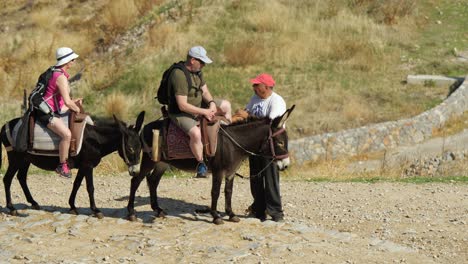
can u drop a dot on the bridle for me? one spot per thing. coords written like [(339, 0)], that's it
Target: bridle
[(272, 147), (124, 153)]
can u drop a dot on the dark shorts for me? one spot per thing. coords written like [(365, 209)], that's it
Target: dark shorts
[(44, 119)]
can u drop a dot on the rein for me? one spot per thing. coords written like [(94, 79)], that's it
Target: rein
[(239, 145), (272, 158)]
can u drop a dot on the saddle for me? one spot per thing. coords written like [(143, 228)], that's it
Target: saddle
[(43, 141), (171, 142)]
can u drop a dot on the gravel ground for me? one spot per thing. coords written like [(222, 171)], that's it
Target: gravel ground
[(325, 223)]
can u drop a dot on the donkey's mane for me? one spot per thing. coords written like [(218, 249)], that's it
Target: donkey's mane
[(251, 120), (104, 124)]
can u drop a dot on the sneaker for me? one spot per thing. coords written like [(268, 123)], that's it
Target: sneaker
[(63, 170), (278, 218), (251, 213), (201, 170)]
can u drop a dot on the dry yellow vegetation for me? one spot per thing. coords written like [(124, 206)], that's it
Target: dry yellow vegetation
[(340, 61)]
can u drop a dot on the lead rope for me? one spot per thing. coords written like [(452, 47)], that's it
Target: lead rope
[(258, 174)]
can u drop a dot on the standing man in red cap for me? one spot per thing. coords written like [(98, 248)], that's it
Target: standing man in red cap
[(264, 175), (187, 98)]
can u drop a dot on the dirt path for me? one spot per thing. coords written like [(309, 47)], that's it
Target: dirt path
[(325, 223)]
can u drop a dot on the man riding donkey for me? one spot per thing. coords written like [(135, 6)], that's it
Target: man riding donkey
[(190, 100)]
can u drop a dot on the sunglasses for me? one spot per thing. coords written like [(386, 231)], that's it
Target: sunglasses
[(200, 61)]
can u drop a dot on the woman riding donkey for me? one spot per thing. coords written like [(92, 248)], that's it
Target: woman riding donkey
[(57, 96)]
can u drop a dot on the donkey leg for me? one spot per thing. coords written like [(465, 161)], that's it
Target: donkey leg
[(22, 178), (153, 183), (134, 184), (145, 167), (7, 179), (90, 189), (215, 190), (76, 186), (228, 199)]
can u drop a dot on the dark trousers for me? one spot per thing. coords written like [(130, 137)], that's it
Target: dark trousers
[(265, 187)]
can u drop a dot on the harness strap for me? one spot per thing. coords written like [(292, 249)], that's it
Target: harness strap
[(123, 151), (54, 95), (272, 147)]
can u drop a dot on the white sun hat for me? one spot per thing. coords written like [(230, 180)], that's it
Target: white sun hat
[(198, 52), (64, 55)]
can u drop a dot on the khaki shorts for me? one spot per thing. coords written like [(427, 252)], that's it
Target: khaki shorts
[(184, 121), (187, 121)]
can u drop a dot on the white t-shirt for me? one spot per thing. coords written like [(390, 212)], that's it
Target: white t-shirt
[(271, 107)]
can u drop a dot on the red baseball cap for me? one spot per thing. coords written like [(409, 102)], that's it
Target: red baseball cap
[(264, 78)]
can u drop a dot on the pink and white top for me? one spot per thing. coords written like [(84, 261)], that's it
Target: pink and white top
[(52, 94)]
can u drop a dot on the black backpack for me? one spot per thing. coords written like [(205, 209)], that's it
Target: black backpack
[(36, 99), (163, 90)]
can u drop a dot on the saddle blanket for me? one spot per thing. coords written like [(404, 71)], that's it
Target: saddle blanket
[(178, 143), (45, 139)]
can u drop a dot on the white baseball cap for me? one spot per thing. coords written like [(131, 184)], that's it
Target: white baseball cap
[(198, 52), (64, 55)]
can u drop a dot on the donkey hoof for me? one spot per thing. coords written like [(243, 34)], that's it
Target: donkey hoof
[(218, 221), (132, 218), (99, 215), (14, 212), (36, 207), (234, 219), (73, 212), (161, 214)]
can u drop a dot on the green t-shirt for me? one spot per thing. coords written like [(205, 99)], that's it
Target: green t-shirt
[(179, 86)]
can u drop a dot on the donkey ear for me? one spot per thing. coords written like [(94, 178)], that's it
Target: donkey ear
[(281, 120), (121, 124), (139, 121), (288, 112), (275, 122)]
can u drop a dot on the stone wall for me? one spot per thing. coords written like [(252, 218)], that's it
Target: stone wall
[(382, 136)]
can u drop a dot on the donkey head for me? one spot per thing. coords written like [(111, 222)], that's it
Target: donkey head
[(278, 140), (130, 145)]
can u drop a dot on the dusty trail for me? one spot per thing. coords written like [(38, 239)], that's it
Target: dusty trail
[(325, 223)]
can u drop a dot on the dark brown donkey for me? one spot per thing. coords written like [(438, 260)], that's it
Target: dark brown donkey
[(99, 140), (236, 142)]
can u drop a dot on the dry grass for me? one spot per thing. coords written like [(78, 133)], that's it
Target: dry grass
[(111, 164), (453, 126), (117, 104), (244, 53), (119, 15), (143, 6), (338, 61), (160, 37)]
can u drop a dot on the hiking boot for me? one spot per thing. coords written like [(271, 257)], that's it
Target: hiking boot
[(63, 170), (201, 170)]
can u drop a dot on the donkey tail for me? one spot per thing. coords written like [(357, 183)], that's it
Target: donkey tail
[(5, 138)]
